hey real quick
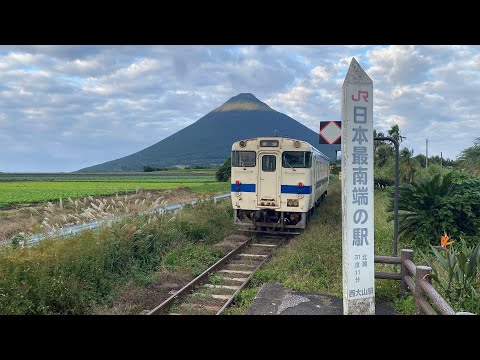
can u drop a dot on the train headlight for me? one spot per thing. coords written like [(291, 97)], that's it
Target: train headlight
[(237, 182), (300, 184), (296, 144), (292, 202), (242, 143)]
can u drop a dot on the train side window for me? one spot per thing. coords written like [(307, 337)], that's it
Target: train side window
[(297, 159), (244, 158), (269, 163)]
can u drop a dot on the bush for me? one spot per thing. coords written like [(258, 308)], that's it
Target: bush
[(448, 203), (224, 172)]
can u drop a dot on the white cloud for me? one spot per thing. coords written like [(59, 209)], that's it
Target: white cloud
[(97, 103)]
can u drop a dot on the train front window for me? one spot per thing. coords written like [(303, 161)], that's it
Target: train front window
[(296, 159), (269, 163), (243, 158)]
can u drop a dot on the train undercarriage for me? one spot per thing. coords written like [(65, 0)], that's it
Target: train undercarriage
[(270, 219)]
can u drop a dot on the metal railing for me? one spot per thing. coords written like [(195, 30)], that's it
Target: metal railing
[(417, 279)]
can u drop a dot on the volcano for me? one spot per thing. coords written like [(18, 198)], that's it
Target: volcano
[(208, 141)]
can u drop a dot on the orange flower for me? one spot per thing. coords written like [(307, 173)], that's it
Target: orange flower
[(444, 240)]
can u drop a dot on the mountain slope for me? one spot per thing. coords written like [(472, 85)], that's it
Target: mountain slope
[(208, 141)]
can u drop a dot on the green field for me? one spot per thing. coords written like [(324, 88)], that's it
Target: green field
[(140, 176), (75, 186)]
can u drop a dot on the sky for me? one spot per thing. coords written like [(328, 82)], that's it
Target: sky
[(66, 107)]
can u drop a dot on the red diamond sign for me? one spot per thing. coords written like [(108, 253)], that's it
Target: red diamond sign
[(330, 132)]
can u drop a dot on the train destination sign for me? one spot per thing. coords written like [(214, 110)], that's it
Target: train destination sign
[(357, 193), (330, 132)]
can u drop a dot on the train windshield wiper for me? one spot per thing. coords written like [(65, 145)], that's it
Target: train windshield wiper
[(286, 162)]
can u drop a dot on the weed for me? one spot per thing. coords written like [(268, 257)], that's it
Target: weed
[(68, 276)]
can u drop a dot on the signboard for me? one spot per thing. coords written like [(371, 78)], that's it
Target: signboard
[(357, 193), (330, 132)]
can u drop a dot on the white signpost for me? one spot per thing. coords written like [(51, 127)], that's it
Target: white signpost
[(357, 193)]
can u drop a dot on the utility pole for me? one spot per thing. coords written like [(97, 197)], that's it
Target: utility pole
[(426, 156)]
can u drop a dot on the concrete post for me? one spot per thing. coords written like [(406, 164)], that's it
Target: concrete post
[(357, 193)]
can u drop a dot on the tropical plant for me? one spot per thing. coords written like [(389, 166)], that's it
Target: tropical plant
[(420, 204), (461, 269), (408, 164), (433, 205), (470, 158), (394, 132)]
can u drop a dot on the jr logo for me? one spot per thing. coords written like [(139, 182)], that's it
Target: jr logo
[(361, 93)]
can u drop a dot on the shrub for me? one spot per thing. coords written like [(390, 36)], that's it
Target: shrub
[(444, 203), (224, 172)]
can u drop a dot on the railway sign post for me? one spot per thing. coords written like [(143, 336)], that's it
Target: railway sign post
[(357, 193), (330, 132)]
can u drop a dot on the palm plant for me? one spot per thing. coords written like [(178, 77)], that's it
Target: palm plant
[(408, 164), (421, 214), (470, 158), (394, 132)]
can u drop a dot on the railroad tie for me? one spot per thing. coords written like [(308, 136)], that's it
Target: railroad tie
[(221, 287), (237, 271), (203, 307), (253, 255), (234, 279), (264, 245), (247, 265)]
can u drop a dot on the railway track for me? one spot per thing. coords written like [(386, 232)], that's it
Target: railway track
[(213, 291)]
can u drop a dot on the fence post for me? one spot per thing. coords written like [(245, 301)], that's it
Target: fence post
[(406, 254), (422, 273)]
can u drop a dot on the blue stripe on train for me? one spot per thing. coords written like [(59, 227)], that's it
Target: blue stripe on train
[(286, 189), (295, 189), (243, 187)]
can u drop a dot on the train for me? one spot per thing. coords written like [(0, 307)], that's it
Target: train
[(276, 183)]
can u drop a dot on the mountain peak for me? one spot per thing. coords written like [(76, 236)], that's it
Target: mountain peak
[(243, 102)]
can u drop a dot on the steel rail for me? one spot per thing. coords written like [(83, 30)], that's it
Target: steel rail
[(232, 297), (199, 278)]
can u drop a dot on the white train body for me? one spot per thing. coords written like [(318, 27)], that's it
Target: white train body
[(276, 182)]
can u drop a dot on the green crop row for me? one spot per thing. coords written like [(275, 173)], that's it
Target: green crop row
[(161, 178), (21, 192)]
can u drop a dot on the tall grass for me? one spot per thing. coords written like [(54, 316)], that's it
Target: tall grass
[(68, 276)]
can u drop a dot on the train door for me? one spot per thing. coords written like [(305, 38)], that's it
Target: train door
[(268, 187)]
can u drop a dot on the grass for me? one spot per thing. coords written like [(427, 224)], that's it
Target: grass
[(71, 276), (312, 261), (27, 220), (28, 192)]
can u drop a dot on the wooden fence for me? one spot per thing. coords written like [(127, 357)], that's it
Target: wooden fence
[(417, 279)]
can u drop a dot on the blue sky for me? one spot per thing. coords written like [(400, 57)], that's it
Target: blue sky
[(63, 108)]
